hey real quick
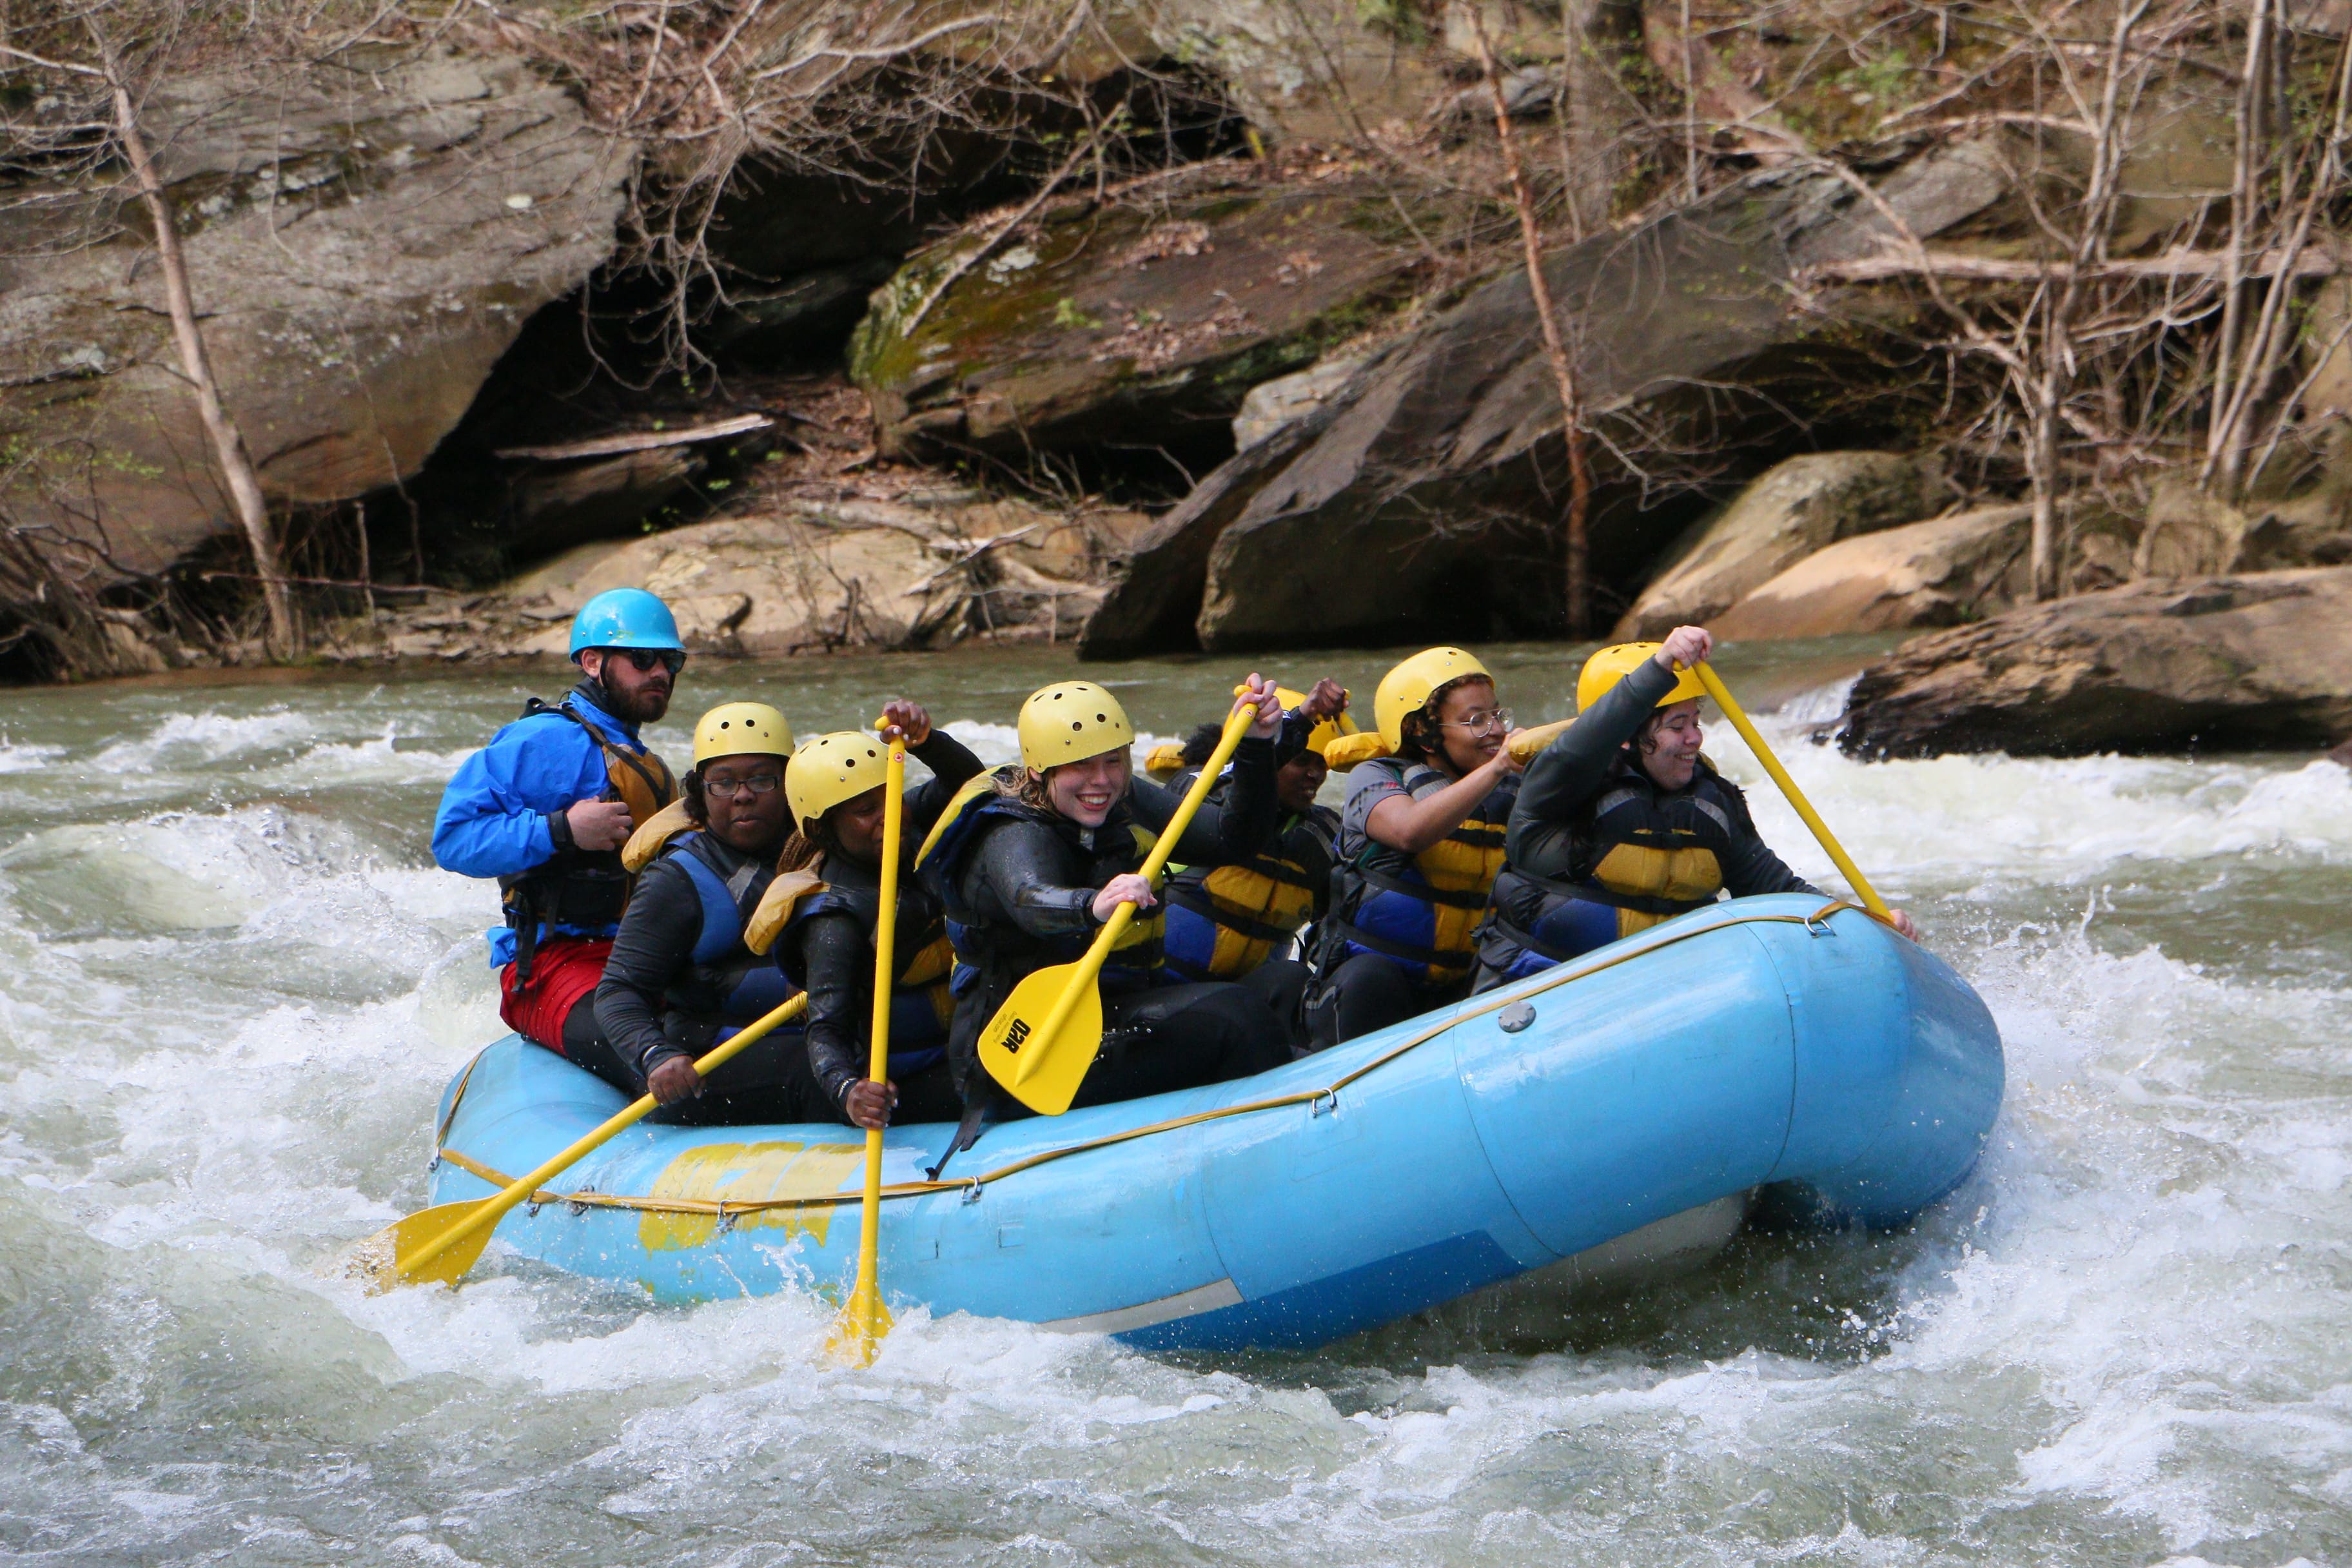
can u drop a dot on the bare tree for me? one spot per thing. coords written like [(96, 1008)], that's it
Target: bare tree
[(237, 473), (1573, 525)]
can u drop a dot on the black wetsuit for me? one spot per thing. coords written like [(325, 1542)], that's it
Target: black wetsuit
[(1597, 849), (680, 980), (828, 947), (1019, 884)]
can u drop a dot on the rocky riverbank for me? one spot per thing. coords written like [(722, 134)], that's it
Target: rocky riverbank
[(1166, 327)]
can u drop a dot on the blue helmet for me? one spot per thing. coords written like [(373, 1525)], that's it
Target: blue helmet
[(623, 617)]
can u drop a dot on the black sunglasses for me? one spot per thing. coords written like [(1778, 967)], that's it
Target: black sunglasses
[(643, 659)]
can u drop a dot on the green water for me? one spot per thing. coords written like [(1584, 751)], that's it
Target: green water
[(234, 986)]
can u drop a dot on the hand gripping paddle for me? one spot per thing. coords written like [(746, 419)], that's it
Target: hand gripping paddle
[(441, 1242), (864, 1318), (1043, 1040)]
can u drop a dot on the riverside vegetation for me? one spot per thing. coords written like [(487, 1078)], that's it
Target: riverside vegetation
[(367, 332)]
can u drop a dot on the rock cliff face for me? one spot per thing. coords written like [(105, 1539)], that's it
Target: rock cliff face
[(1143, 323), (363, 247), (2259, 660), (1421, 499)]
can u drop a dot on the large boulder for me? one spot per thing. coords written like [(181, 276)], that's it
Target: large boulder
[(1423, 497), (2258, 660), (1799, 506), (1139, 324), (364, 239), (1940, 572)]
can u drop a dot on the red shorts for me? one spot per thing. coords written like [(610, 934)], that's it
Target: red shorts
[(564, 970)]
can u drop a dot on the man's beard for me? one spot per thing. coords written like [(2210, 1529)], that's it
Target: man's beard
[(645, 708)]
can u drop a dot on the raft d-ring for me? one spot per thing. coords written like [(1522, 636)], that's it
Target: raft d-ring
[(578, 1205), (434, 1164), (531, 1210), (972, 1193), (726, 1218), (1818, 924), (1324, 1103)]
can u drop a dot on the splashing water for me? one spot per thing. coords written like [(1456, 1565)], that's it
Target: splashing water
[(237, 987)]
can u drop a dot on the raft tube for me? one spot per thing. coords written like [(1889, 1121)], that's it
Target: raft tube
[(1764, 1044)]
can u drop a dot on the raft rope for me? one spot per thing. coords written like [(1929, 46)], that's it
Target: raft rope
[(728, 1211)]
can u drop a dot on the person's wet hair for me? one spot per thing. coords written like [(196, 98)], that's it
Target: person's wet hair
[(1201, 744)]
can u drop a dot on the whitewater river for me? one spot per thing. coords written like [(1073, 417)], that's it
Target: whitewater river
[(232, 985)]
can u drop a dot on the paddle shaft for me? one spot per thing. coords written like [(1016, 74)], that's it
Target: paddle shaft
[(499, 1207), (1804, 808), (885, 975), (1083, 975)]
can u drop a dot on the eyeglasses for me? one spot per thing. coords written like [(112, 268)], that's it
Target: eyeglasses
[(1481, 722), (644, 660), (735, 789)]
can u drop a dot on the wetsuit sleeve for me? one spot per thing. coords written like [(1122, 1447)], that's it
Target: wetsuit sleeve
[(1753, 867), (1220, 833), (493, 816), (952, 766), (654, 943), (1009, 876), (837, 966), (1564, 775)]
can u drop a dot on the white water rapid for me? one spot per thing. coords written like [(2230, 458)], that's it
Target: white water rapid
[(232, 986)]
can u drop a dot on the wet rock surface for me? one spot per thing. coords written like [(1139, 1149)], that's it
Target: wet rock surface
[(2255, 660)]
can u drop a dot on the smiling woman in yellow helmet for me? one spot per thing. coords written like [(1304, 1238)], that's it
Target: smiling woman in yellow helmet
[(1419, 841), (681, 977), (1031, 862), (828, 913), (1621, 823)]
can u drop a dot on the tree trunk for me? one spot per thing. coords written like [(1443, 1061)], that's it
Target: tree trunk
[(1563, 374), (2042, 463), (229, 442)]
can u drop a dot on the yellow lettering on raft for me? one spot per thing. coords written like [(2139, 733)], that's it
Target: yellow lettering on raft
[(749, 1173)]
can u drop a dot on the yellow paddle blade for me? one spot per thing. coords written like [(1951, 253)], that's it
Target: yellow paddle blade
[(858, 1333), (1042, 1070), (388, 1257)]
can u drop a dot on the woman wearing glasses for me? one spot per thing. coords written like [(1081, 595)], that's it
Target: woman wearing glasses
[(1420, 842), (680, 978)]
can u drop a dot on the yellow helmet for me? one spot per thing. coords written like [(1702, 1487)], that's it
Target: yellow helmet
[(1069, 721), (1405, 689), (1324, 734), (741, 729), (1612, 664), (832, 769)]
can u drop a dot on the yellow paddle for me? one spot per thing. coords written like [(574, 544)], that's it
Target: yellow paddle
[(1043, 1040), (863, 1320), (1739, 721), (442, 1242)]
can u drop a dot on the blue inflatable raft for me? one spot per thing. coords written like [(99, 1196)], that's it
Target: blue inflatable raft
[(1763, 1044)]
